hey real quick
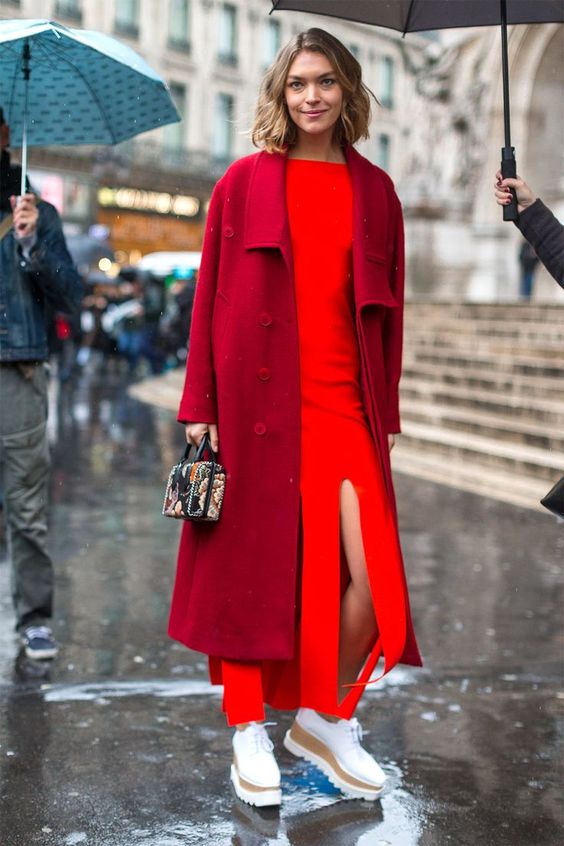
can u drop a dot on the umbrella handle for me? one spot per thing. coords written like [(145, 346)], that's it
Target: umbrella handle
[(26, 71), (509, 171)]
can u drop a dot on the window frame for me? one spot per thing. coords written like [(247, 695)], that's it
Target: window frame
[(130, 29), (180, 43), (226, 153), (228, 11)]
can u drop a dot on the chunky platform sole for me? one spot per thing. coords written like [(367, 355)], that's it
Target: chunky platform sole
[(301, 743), (261, 797)]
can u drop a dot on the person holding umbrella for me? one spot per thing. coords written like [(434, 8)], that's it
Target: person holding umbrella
[(58, 86), (536, 222), (293, 371), (36, 272)]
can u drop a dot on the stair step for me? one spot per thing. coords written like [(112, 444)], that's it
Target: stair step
[(428, 341), (523, 491), (518, 365), (162, 391), (536, 332), (485, 379), (482, 397), (524, 408), (484, 451), (502, 427), (496, 312)]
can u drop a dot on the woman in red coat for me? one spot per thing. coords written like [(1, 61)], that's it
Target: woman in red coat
[(293, 369)]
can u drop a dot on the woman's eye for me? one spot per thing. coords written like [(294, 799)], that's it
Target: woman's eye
[(329, 81), (295, 84)]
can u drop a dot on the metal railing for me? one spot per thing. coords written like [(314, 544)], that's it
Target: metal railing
[(156, 155)]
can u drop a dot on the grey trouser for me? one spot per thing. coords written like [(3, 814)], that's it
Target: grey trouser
[(24, 480)]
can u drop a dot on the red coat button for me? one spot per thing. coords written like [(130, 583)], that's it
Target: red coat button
[(260, 428), (264, 374), (228, 231), (265, 319)]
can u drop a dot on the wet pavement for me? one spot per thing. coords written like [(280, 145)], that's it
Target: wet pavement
[(121, 742)]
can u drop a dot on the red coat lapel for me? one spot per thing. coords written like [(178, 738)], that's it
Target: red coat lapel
[(266, 218)]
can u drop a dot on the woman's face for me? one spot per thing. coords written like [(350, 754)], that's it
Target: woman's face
[(313, 95)]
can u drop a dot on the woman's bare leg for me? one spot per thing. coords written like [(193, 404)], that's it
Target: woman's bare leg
[(358, 622)]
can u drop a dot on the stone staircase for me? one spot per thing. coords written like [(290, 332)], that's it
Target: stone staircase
[(482, 398)]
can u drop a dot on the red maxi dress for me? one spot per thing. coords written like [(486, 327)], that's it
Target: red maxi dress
[(336, 445)]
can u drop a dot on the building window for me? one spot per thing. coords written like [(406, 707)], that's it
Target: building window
[(174, 132), (386, 82), (355, 50), (223, 126), (383, 151), (127, 18), (179, 24), (68, 9), (227, 53), (271, 41)]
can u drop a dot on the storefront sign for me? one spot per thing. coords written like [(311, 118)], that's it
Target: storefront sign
[(137, 234), (135, 199)]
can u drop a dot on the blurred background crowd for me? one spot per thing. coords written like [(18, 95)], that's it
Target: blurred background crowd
[(138, 319)]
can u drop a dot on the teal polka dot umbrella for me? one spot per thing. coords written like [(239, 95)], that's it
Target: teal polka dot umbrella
[(62, 86)]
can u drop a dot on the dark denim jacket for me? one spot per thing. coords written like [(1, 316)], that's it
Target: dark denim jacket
[(27, 284)]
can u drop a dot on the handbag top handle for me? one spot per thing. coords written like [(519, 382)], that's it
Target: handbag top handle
[(203, 447)]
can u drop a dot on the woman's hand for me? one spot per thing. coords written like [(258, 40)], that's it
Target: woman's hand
[(391, 442), (525, 196), (196, 431)]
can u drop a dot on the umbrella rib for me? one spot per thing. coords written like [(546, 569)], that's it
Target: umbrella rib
[(55, 52), (50, 51), (408, 18), (14, 82)]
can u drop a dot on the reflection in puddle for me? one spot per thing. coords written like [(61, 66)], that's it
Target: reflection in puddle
[(313, 814)]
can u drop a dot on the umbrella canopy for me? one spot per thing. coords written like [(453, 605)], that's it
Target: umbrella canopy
[(84, 87), (420, 15)]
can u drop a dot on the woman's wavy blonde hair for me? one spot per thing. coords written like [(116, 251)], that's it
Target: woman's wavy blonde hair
[(274, 130)]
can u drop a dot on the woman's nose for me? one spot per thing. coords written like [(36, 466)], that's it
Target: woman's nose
[(312, 95)]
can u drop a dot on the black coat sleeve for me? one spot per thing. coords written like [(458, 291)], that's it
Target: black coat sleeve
[(546, 235)]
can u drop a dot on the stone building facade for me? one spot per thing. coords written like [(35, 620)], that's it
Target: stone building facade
[(459, 246), (438, 130), (213, 55)]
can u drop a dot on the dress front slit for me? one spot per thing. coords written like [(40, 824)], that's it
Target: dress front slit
[(336, 445)]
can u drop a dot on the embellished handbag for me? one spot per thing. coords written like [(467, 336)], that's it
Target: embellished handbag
[(195, 487)]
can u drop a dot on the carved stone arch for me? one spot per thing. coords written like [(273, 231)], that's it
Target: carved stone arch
[(544, 150), (528, 47)]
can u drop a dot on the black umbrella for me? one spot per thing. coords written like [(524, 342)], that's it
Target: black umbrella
[(418, 15)]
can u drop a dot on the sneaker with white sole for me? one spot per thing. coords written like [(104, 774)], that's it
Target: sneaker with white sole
[(254, 771), (336, 749), (39, 643)]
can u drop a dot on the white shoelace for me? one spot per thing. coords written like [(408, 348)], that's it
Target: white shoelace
[(260, 739), (38, 631), (354, 730)]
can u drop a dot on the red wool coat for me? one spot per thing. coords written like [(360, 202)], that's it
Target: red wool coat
[(235, 591)]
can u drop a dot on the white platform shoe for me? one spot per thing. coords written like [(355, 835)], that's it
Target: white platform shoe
[(254, 771), (336, 749)]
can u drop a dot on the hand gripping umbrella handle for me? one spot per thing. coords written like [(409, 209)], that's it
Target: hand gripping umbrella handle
[(509, 171)]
